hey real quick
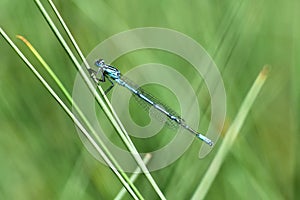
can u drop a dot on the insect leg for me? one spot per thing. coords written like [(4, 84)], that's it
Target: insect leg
[(112, 85), (94, 73)]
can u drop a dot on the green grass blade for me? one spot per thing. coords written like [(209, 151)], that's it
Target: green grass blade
[(134, 176), (106, 106), (77, 48), (68, 111), (230, 136), (78, 110)]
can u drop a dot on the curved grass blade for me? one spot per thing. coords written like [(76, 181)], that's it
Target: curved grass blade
[(230, 136), (135, 175), (70, 114), (67, 94), (109, 111), (73, 41)]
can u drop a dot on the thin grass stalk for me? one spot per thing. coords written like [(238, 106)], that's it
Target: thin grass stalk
[(78, 110), (70, 114), (120, 129), (134, 176), (77, 48), (88, 67), (230, 136)]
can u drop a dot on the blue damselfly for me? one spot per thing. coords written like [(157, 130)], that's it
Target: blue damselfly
[(113, 74)]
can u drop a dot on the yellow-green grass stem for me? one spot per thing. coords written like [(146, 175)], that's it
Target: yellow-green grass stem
[(78, 110), (230, 136), (107, 109), (134, 176), (72, 116)]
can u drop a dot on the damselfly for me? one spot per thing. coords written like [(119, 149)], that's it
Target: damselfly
[(113, 74)]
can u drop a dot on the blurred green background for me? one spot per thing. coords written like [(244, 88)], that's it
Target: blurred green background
[(41, 155)]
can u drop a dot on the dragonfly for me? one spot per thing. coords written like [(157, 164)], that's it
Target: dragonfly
[(112, 74)]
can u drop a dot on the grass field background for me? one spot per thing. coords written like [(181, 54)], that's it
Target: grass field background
[(41, 155)]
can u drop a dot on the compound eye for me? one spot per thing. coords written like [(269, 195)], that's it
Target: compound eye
[(100, 63)]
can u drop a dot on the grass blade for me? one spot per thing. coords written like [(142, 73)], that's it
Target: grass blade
[(230, 136), (70, 114), (133, 177), (106, 106), (77, 48), (67, 94)]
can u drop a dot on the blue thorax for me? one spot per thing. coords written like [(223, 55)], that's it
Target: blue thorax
[(108, 70)]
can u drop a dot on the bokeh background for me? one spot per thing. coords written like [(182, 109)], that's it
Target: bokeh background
[(41, 155)]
